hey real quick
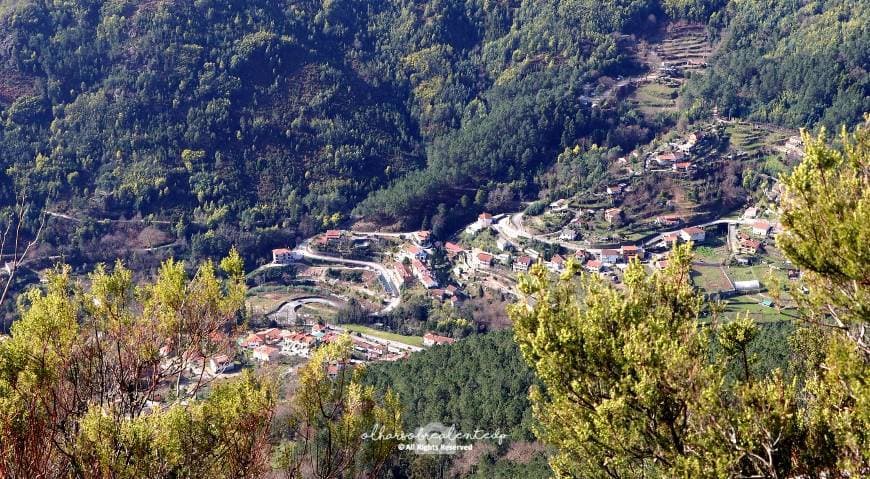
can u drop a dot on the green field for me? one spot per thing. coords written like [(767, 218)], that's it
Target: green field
[(752, 138), (409, 340), (751, 305), (710, 278), (655, 97)]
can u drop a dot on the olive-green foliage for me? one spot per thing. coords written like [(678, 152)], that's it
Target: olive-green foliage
[(330, 415), (826, 217), (83, 365), (793, 63), (633, 385)]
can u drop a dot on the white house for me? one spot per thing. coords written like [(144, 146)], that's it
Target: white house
[(760, 228), (266, 354), (568, 235), (481, 260), (484, 220), (522, 264), (556, 263), (693, 233), (284, 256)]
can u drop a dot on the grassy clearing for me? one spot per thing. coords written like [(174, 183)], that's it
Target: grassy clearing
[(323, 311), (263, 303), (742, 274), (409, 340), (710, 278), (652, 98), (751, 305)]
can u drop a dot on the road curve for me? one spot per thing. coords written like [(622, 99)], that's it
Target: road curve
[(655, 239), (304, 249), (287, 311)]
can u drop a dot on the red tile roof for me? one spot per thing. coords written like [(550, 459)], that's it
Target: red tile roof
[(438, 339), (453, 247)]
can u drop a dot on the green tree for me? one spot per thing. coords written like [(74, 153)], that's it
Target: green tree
[(632, 386), (330, 416), (84, 365), (826, 223)]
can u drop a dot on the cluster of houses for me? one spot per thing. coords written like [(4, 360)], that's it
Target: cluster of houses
[(268, 345), (410, 260), (676, 155), (431, 339), (694, 234), (410, 265), (415, 255), (598, 261), (751, 242)]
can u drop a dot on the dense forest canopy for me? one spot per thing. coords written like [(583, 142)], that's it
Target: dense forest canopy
[(793, 63), (486, 387), (230, 118)]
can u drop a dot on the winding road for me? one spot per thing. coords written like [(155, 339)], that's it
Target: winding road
[(508, 226), (724, 221), (287, 311), (304, 250)]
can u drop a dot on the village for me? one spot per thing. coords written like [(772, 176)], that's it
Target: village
[(345, 282)]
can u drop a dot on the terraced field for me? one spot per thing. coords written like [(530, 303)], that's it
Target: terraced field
[(685, 44), (756, 139), (684, 48)]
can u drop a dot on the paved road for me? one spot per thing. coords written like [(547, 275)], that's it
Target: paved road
[(511, 227), (305, 250), (380, 234), (655, 239), (384, 341), (287, 311)]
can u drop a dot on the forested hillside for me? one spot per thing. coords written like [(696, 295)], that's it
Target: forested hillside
[(486, 387), (793, 63), (232, 118)]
